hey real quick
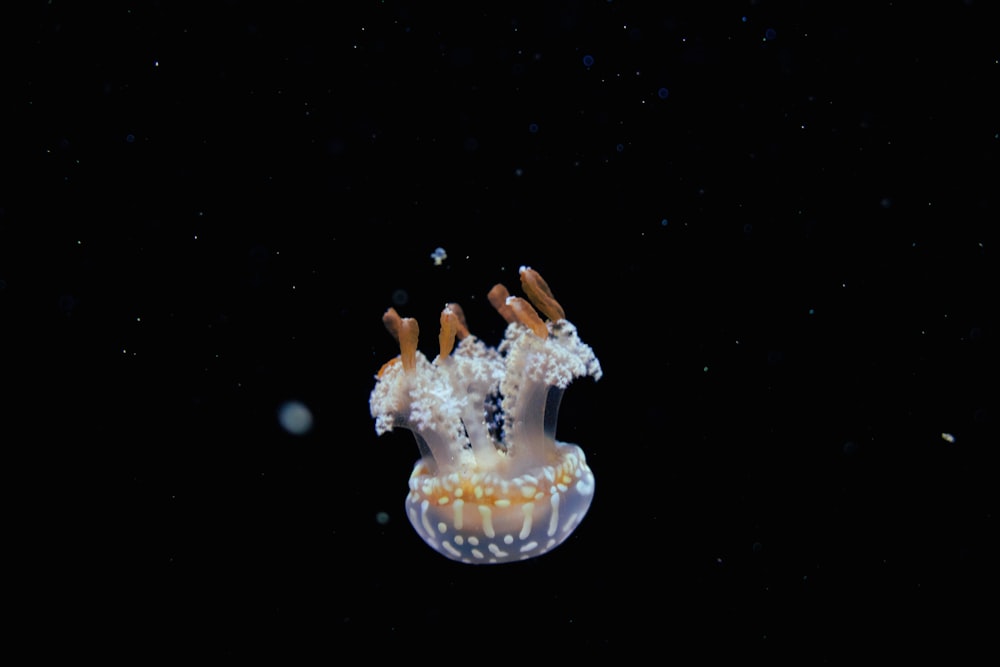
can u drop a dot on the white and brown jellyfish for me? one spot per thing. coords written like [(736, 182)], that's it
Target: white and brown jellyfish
[(492, 485)]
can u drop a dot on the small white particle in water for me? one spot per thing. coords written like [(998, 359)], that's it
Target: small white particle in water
[(295, 417), (439, 255), (948, 437)]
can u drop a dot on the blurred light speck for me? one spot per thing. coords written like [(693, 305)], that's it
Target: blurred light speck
[(295, 417)]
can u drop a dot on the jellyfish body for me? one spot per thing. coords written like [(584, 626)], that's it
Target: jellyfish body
[(492, 485)]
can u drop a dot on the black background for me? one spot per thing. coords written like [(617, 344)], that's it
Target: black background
[(771, 221)]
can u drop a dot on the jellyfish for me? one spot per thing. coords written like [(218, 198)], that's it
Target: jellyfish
[(492, 485)]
